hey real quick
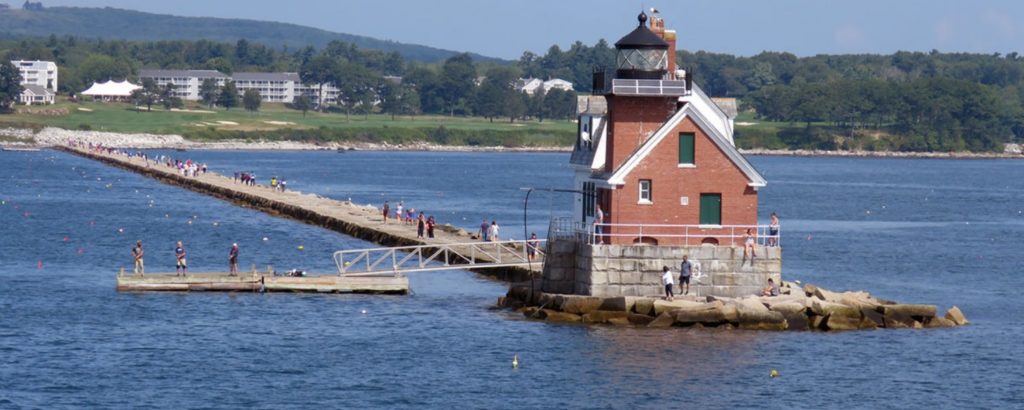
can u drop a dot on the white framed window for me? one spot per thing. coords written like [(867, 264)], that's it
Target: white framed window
[(645, 192)]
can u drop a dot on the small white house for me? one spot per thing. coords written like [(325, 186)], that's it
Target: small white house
[(34, 94)]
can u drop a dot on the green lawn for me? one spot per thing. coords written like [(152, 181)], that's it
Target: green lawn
[(120, 117)]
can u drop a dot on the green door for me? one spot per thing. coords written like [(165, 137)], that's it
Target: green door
[(710, 209)]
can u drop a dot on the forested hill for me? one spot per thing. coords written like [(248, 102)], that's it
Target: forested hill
[(111, 23)]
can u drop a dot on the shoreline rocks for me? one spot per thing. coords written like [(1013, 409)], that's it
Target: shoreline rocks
[(807, 308), (50, 136)]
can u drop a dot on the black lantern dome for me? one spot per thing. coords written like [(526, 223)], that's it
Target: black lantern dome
[(641, 54)]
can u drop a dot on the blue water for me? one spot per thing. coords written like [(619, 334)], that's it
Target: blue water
[(932, 231)]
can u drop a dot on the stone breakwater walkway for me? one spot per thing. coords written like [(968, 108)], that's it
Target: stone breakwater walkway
[(362, 222)]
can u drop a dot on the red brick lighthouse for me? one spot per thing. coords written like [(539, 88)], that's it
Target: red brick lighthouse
[(660, 164)]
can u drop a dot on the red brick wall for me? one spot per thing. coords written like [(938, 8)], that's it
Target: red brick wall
[(632, 120), (714, 173)]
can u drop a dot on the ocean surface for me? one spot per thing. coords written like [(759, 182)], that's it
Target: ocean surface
[(944, 232)]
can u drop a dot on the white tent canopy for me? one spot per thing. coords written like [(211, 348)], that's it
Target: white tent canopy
[(116, 89)]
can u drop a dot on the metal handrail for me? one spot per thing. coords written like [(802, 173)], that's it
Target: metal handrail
[(735, 235), (441, 256)]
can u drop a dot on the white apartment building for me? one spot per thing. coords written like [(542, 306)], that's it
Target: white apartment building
[(41, 73), (273, 87), (186, 82)]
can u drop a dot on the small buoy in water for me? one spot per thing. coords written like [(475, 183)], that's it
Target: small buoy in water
[(515, 361), (808, 237), (216, 224), (65, 238), (81, 251), (39, 265), (266, 238), (195, 216), (301, 247), (167, 215), (190, 222), (774, 373), (363, 311), (120, 230)]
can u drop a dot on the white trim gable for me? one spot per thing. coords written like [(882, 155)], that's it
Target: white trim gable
[(754, 178)]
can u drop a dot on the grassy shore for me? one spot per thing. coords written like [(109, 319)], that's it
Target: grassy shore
[(278, 122)]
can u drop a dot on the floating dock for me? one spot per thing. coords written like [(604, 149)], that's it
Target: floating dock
[(262, 282)]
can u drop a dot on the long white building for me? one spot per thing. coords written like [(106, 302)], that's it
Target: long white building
[(41, 73), (273, 87), (186, 82)]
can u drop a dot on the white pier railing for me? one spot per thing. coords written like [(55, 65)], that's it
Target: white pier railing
[(665, 234), (441, 256)]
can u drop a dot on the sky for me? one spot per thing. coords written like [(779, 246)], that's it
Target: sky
[(506, 29)]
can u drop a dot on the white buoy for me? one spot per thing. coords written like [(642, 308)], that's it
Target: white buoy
[(266, 238), (363, 311)]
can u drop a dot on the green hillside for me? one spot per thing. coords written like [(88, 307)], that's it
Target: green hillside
[(111, 23)]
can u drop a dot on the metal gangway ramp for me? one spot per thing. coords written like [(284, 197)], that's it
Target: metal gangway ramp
[(440, 256)]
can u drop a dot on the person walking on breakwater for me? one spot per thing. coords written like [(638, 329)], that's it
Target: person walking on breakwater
[(685, 270), (233, 260), (773, 230), (421, 226), (492, 233), (430, 226), (485, 230), (386, 210), (531, 246), (182, 265), (666, 279), (137, 254), (399, 216)]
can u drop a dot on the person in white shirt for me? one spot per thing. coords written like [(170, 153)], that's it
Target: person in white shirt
[(666, 279)]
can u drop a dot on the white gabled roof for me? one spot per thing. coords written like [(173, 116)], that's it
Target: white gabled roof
[(754, 178)]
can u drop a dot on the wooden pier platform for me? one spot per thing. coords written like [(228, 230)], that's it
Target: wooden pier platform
[(262, 282)]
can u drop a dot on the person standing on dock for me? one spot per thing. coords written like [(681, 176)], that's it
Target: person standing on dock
[(398, 213), (233, 260), (387, 210), (179, 254), (666, 279), (493, 233), (531, 247), (773, 230), (685, 270), (485, 230), (421, 226), (137, 253)]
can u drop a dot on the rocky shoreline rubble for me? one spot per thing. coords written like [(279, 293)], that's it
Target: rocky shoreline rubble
[(51, 136), (807, 308)]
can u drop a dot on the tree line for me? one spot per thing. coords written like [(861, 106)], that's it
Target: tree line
[(368, 80)]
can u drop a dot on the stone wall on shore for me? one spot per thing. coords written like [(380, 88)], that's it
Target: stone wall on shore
[(635, 270)]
